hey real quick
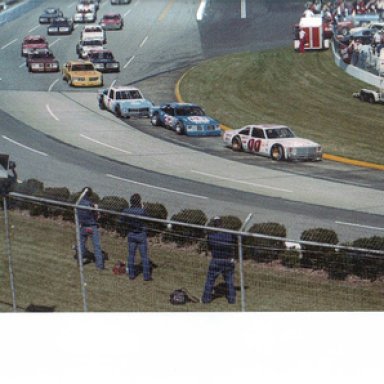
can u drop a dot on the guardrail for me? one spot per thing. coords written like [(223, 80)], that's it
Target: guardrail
[(12, 9)]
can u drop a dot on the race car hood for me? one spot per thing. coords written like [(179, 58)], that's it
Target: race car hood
[(84, 73), (110, 21), (296, 142), (35, 46), (42, 60), (197, 120)]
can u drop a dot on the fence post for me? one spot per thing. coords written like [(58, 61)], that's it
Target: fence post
[(240, 251), (9, 252), (80, 255)]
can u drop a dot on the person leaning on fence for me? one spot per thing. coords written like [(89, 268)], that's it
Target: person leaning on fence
[(137, 237), (90, 228), (222, 247)]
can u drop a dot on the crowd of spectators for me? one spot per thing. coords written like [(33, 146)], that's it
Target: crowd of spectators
[(358, 29)]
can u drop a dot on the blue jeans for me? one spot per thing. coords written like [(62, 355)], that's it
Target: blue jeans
[(217, 267), (92, 231), (138, 241)]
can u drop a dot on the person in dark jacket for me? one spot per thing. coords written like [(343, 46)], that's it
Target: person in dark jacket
[(137, 237), (222, 246), (90, 228)]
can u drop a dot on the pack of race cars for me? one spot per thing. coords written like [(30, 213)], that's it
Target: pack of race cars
[(275, 141)]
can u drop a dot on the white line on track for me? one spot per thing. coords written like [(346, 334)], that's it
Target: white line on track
[(243, 7), (143, 42), (54, 42), (359, 225), (34, 28), (8, 44), (127, 13), (129, 62), (51, 113), (201, 10), (154, 187), (105, 145), (52, 85), (242, 182), (22, 65), (24, 146), (113, 83), (103, 5)]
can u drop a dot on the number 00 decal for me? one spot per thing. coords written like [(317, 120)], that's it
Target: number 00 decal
[(254, 145)]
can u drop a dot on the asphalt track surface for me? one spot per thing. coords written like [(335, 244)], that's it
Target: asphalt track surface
[(58, 135)]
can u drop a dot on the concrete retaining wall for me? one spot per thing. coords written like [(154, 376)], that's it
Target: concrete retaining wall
[(13, 10)]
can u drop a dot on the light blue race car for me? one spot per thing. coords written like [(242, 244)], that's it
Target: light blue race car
[(185, 118)]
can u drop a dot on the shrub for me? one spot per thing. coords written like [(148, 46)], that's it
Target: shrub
[(157, 211), (316, 257), (46, 210), (261, 249), (28, 187), (365, 264), (182, 235), (339, 265), (110, 221), (290, 258)]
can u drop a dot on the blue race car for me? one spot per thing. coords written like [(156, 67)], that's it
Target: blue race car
[(185, 118)]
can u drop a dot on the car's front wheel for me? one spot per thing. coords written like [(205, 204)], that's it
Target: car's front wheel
[(155, 120), (118, 111), (236, 144), (277, 153), (179, 128)]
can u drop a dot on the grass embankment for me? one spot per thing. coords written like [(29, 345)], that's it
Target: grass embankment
[(307, 92), (47, 275)]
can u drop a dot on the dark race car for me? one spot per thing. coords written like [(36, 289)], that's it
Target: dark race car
[(112, 21), (49, 15), (42, 60), (60, 26), (104, 61)]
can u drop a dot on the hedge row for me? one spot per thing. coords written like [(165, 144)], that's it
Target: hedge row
[(338, 263)]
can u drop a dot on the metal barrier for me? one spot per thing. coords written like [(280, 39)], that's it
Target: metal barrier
[(270, 275)]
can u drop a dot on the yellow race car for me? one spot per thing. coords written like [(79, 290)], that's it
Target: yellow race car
[(81, 74)]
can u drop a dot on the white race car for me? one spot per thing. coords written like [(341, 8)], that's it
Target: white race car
[(85, 46), (85, 5), (93, 31), (272, 140), (84, 17)]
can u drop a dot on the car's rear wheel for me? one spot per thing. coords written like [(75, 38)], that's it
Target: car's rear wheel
[(118, 111), (155, 120), (236, 144), (179, 128), (371, 99), (277, 153), (69, 80)]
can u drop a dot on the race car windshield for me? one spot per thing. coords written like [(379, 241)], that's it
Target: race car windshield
[(189, 111), (41, 55), (83, 67), (101, 55), (92, 42), (279, 133), (125, 95), (35, 41), (111, 17)]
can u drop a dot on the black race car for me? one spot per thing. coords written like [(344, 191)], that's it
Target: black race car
[(49, 15), (60, 26), (104, 61)]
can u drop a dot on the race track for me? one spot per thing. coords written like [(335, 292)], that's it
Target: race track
[(58, 134)]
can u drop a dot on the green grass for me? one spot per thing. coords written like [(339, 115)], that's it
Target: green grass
[(47, 275), (307, 92)]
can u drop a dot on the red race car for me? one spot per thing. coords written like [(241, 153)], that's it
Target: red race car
[(32, 42), (112, 21)]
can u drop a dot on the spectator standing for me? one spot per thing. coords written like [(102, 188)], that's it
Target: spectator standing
[(302, 36), (90, 228), (137, 237), (222, 246)]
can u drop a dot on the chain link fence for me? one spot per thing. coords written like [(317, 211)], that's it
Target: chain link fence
[(41, 268)]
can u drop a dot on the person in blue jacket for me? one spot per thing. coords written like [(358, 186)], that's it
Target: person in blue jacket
[(222, 246), (137, 237), (90, 228)]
